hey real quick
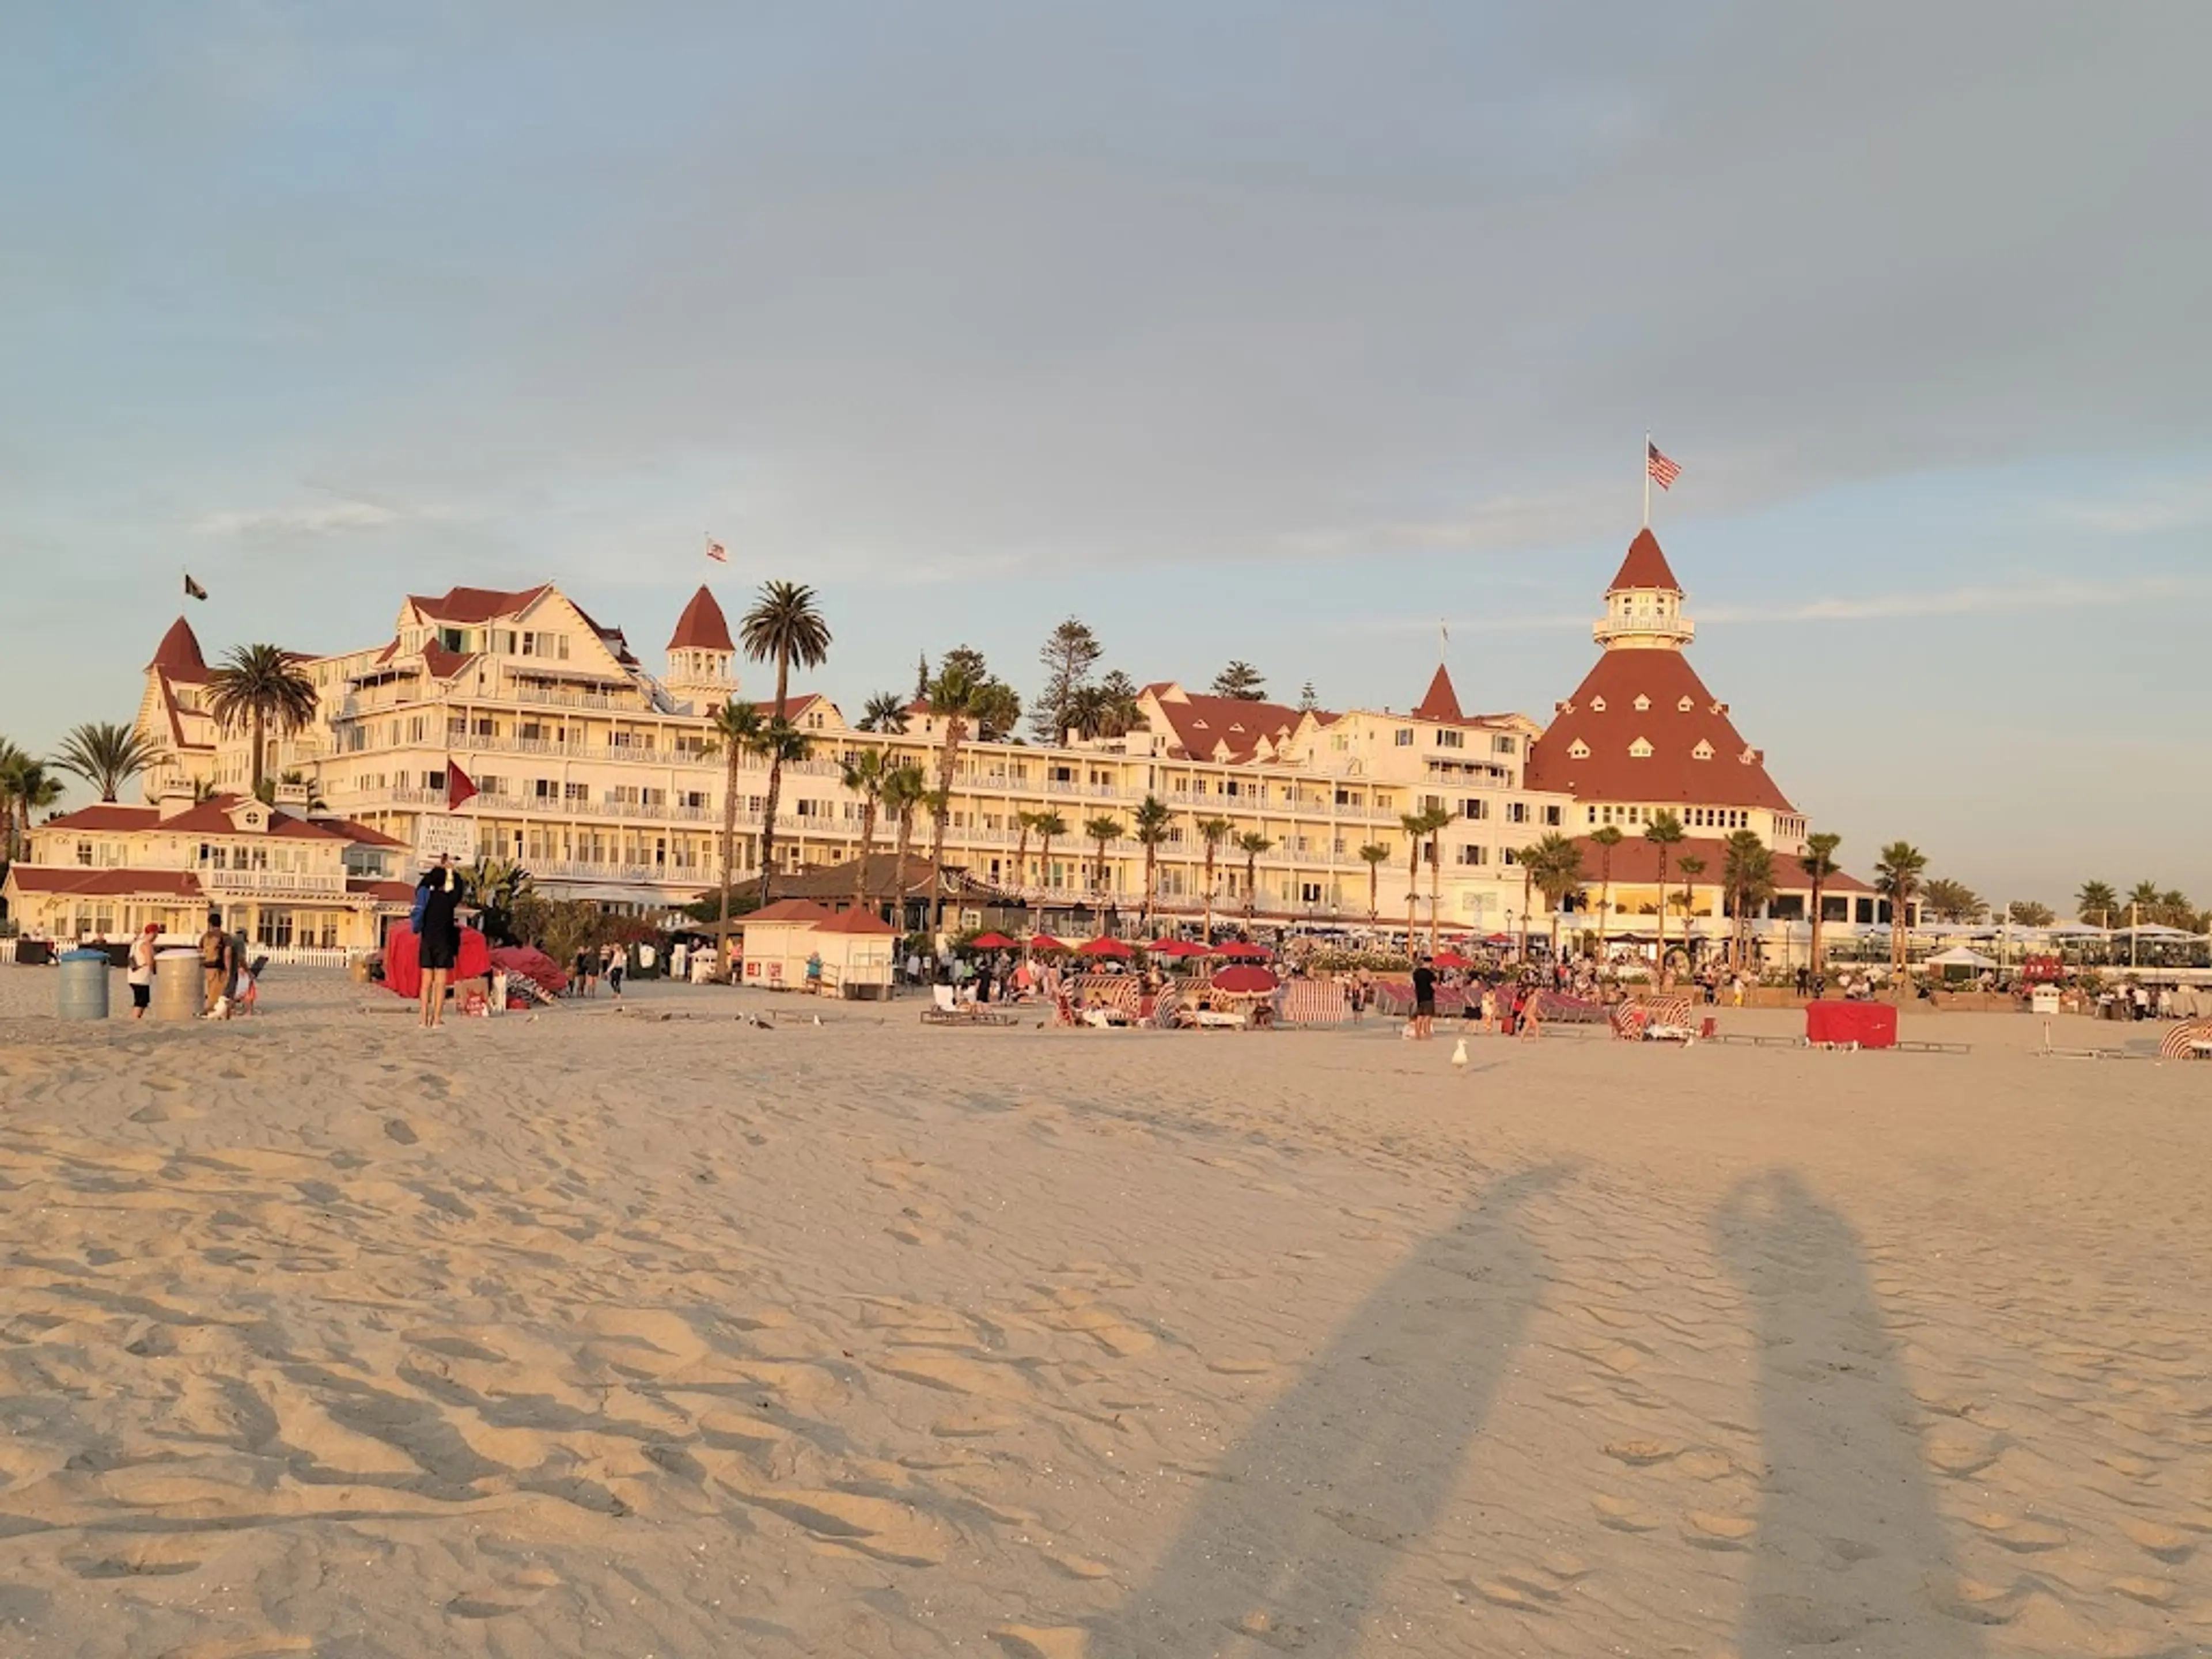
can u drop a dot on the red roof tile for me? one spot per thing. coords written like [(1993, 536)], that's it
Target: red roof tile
[(179, 654), (1644, 567), (104, 815), (107, 883), (1442, 702), (702, 627), (857, 921), (1635, 864), (475, 605), (1199, 723), (388, 893), (359, 834), (441, 664), (212, 817), (1671, 774), (789, 911)]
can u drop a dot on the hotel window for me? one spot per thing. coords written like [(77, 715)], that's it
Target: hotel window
[(1502, 745), (452, 639), (575, 793), (1505, 855), (1517, 811), (84, 852), (1703, 751), (1552, 816), (1403, 737), (1473, 807), (1472, 855), (502, 641), (488, 785), (1451, 740), (1309, 892)]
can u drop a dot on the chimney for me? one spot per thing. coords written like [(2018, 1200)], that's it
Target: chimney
[(292, 798)]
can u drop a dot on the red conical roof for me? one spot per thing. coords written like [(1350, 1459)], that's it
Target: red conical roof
[(179, 654), (1442, 702), (1644, 567), (702, 627)]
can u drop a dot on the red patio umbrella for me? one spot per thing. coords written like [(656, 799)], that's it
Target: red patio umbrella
[(1176, 947), (1046, 942), (1450, 959), (991, 942), (1234, 951), (1244, 979), (1103, 947)]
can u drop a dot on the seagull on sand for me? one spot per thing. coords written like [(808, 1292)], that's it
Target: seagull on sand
[(1459, 1054)]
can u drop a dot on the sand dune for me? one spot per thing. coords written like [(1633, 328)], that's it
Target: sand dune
[(609, 1334)]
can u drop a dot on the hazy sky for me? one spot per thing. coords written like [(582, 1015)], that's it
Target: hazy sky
[(1267, 330)]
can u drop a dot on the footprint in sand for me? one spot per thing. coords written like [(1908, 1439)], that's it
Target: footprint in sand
[(2166, 1543), (1041, 1642), (2021, 1536), (1620, 1515), (1709, 1531), (1643, 1454)]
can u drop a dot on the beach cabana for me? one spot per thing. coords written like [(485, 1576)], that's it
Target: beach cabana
[(776, 940)]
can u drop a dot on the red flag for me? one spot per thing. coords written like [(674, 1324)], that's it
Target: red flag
[(717, 552), (459, 786)]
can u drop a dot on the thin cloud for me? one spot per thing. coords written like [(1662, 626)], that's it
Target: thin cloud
[(333, 518), (1965, 601), (2171, 506)]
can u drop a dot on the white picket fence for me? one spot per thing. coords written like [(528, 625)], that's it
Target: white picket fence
[(280, 956)]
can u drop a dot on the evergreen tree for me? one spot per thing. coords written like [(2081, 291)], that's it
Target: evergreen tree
[(1241, 681), (1070, 650)]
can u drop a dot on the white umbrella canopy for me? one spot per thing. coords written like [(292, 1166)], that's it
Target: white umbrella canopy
[(2074, 930), (1959, 957), (2154, 930)]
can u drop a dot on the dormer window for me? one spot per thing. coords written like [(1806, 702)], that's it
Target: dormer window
[(1643, 704), (1578, 750), (1597, 705), (1641, 749), (1685, 706), (1703, 751)]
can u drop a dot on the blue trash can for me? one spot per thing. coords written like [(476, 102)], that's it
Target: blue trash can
[(84, 985)]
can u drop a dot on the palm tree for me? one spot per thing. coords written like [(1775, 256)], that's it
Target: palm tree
[(863, 773), (780, 744), (108, 754), (1376, 853), (784, 627), (11, 759), (1747, 869), (1819, 862), (1527, 858), (261, 686), (953, 696), (1665, 830), (1557, 869), (1213, 831), (495, 886), (1689, 867), (1151, 819), (905, 786), (1416, 825), (2096, 899), (26, 786), (1897, 879), (2143, 895), (1251, 843), (1605, 838), (1050, 827), (1434, 820), (736, 730), (885, 712), (1103, 829), (1027, 824)]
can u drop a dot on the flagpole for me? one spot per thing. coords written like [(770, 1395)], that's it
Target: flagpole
[(1647, 477)]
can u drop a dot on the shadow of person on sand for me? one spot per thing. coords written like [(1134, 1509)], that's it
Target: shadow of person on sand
[(1288, 1542), (1850, 1555)]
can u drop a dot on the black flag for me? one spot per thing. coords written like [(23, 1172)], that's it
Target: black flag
[(192, 589)]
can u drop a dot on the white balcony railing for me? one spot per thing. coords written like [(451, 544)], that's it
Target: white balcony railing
[(275, 883)]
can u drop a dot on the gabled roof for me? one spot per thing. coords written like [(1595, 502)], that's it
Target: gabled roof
[(104, 815), (1735, 775), (1442, 702), (857, 921), (790, 912), (467, 605), (1220, 728), (212, 817), (385, 892), (441, 664), (105, 884), (179, 654), (702, 627), (358, 834), (1644, 567)]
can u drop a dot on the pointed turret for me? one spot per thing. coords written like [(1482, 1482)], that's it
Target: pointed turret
[(1442, 702), (1644, 603), (179, 655), (701, 653)]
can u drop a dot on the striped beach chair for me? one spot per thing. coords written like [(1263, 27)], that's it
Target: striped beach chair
[(2180, 1042)]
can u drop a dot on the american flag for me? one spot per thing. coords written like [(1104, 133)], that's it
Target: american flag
[(1663, 472), (721, 555)]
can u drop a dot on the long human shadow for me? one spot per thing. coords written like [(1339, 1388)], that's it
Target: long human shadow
[(1299, 1523), (1849, 1555)]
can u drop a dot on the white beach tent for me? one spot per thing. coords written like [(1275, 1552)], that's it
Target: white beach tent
[(1958, 957)]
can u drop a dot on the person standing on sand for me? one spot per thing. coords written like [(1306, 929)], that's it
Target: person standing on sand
[(140, 975), (1425, 999), (438, 936), (617, 964), (215, 966)]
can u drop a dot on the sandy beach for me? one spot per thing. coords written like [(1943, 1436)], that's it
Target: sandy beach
[(652, 1333)]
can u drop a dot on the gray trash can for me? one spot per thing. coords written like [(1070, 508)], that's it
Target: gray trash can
[(177, 985), (83, 990)]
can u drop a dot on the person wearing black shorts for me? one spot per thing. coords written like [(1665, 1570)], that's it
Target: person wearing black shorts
[(438, 936), (1425, 999)]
